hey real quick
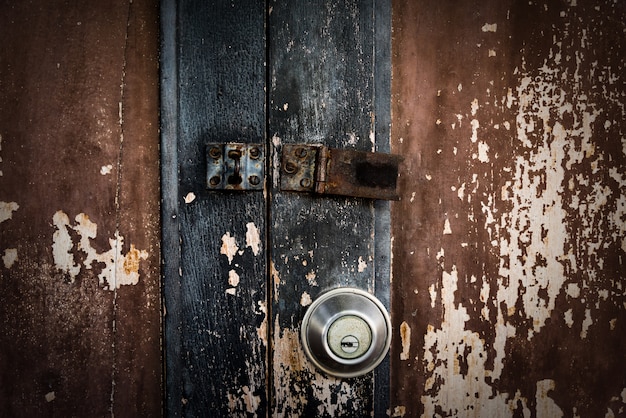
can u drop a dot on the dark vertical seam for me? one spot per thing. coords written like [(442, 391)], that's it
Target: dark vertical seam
[(118, 205)]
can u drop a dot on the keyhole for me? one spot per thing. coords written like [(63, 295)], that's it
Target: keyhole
[(349, 344)]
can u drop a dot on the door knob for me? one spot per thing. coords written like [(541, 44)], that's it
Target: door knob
[(346, 332)]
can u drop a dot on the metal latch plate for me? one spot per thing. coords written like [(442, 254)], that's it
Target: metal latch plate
[(235, 166), (345, 172)]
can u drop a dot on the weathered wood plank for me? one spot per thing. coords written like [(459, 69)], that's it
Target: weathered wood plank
[(77, 249), (219, 330), (322, 73), (509, 241)]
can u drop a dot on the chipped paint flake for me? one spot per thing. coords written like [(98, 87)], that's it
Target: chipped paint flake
[(297, 382), (362, 265), (7, 209), (10, 257), (119, 269), (305, 299), (546, 407), (399, 411), (106, 169), (233, 278), (253, 239), (405, 337), (229, 247), (489, 27), (447, 230), (190, 197)]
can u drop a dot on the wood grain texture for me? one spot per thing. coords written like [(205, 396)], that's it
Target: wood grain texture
[(216, 338), (79, 174), (509, 239), (322, 73)]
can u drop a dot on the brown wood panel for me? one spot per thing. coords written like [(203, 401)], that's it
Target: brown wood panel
[(79, 240), (508, 262)]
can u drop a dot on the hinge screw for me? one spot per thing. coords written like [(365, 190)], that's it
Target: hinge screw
[(290, 167), (301, 152), (215, 180), (255, 153), (215, 153), (254, 180), (305, 183)]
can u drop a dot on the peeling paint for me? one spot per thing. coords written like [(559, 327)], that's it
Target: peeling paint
[(189, 197), (119, 269), (399, 411), (10, 257), (106, 169), (405, 337), (297, 382), (7, 209), (362, 265), (233, 278), (229, 247), (490, 27), (305, 299), (253, 239)]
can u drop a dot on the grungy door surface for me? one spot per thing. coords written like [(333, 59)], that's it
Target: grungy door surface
[(241, 268)]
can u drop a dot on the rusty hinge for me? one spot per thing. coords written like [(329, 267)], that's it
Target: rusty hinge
[(345, 172), (235, 166)]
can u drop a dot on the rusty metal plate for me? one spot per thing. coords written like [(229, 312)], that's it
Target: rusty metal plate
[(361, 174), (235, 166), (323, 170), (298, 167)]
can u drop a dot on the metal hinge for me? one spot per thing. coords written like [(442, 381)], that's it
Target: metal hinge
[(235, 166), (345, 172), (305, 168)]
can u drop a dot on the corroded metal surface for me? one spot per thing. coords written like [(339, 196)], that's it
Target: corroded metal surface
[(508, 277), (79, 229)]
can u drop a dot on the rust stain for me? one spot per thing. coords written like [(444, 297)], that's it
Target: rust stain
[(523, 153)]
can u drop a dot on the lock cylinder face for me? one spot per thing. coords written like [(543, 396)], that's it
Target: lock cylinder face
[(346, 332)]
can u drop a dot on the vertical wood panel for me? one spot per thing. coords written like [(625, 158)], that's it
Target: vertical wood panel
[(79, 277), (509, 239), (322, 91), (218, 291)]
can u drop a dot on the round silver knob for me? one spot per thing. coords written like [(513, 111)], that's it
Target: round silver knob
[(346, 332)]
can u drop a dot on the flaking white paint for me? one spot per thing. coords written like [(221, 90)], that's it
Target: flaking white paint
[(229, 247), (119, 269), (10, 257), (253, 239), (7, 209)]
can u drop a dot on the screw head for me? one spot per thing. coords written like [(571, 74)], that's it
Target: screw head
[(215, 180), (215, 153), (301, 152), (290, 167), (255, 153), (254, 180), (306, 182)]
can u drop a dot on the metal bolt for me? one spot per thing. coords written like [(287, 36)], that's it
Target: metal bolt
[(215, 153), (305, 182), (290, 167), (215, 180), (254, 180), (255, 153), (301, 152)]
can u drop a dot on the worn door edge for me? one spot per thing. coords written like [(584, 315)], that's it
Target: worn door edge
[(170, 246), (382, 227)]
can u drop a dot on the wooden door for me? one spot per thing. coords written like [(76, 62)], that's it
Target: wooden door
[(241, 267)]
